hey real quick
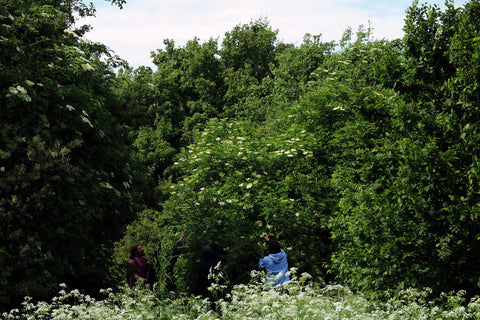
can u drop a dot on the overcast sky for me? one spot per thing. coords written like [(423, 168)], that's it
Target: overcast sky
[(142, 25)]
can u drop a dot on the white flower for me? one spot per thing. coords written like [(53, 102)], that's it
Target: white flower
[(72, 33), (85, 119)]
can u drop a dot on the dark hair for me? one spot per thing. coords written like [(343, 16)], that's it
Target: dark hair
[(207, 252), (273, 246), (133, 251)]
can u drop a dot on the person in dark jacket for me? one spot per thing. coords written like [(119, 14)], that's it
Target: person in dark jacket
[(209, 261), (276, 263)]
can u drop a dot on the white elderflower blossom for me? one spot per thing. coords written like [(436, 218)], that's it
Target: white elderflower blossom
[(257, 299), (72, 33)]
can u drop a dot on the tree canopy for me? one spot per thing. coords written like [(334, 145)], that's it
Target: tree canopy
[(66, 170)]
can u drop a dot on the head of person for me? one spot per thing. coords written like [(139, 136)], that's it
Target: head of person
[(207, 252), (273, 247), (136, 251)]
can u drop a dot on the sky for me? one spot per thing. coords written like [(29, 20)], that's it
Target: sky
[(142, 25)]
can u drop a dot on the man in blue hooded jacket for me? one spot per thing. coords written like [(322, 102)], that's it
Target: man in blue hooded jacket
[(275, 264)]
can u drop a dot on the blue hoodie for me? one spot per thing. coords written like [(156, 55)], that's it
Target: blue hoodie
[(274, 264)]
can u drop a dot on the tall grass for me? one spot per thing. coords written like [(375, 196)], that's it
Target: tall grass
[(302, 298)]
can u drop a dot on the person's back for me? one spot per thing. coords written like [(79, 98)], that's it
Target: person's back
[(203, 282), (276, 263)]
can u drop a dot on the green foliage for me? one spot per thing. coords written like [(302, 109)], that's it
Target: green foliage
[(462, 89), (238, 181), (135, 93), (154, 154), (407, 213), (156, 232), (371, 141), (190, 86), (248, 54), (296, 66), (162, 108), (65, 176), (428, 33), (360, 156), (251, 47)]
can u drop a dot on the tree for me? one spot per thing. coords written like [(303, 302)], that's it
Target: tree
[(250, 46), (296, 66), (248, 53), (190, 85), (408, 210), (65, 179), (428, 33)]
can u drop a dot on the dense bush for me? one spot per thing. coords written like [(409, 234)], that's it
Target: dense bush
[(65, 177), (408, 210)]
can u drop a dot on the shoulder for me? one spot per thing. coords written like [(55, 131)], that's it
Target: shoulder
[(266, 259)]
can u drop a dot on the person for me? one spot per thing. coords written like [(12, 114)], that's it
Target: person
[(209, 261), (139, 267), (276, 263)]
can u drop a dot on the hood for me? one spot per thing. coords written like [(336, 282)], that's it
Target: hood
[(278, 257)]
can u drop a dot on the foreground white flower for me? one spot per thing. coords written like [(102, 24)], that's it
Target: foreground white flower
[(302, 298)]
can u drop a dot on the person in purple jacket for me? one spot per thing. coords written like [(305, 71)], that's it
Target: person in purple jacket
[(275, 264), (139, 267)]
